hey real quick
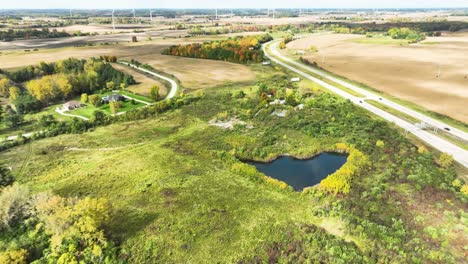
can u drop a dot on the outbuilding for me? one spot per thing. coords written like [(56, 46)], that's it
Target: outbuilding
[(72, 105)]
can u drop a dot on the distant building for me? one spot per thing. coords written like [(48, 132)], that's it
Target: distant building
[(266, 63), (71, 105), (297, 79)]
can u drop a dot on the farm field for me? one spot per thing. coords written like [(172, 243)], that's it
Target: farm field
[(193, 73), (407, 72), (144, 82)]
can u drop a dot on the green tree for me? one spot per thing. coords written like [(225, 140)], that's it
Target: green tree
[(154, 93), (98, 117), (5, 176), (46, 120), (13, 120)]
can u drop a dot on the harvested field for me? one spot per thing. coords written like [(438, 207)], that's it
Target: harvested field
[(144, 82), (193, 73), (408, 72), (103, 28)]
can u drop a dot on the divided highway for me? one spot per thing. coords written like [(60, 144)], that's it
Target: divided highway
[(460, 155)]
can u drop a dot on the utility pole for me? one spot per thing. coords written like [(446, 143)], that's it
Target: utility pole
[(151, 16), (71, 13), (216, 13), (134, 16)]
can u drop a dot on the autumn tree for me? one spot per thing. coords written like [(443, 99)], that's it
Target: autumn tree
[(84, 98), (110, 86), (445, 160), (5, 85), (154, 93), (115, 106), (14, 205), (94, 100), (14, 92)]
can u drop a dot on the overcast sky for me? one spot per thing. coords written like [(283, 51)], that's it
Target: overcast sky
[(91, 4)]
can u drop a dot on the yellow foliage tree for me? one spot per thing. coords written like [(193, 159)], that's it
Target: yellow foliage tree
[(340, 181), (445, 160)]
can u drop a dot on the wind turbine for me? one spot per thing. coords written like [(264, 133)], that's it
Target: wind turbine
[(151, 16), (216, 13), (113, 19)]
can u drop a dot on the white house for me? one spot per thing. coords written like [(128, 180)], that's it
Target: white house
[(297, 79), (265, 63)]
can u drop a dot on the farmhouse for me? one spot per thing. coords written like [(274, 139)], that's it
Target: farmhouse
[(72, 105), (112, 98)]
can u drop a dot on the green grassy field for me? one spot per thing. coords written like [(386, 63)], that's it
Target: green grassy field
[(127, 105), (176, 199)]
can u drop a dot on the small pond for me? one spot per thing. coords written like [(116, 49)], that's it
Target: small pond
[(301, 174)]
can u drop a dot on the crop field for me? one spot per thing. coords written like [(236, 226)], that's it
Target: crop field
[(408, 72)]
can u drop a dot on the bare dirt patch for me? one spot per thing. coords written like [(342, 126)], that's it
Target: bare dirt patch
[(408, 72)]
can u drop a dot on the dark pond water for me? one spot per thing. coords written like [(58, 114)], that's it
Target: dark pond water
[(301, 174)]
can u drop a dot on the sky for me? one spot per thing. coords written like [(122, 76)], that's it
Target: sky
[(118, 4)]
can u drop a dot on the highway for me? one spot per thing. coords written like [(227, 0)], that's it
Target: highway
[(369, 95), (459, 155)]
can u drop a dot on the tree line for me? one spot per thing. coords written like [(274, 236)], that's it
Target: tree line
[(238, 49), (33, 87), (11, 34)]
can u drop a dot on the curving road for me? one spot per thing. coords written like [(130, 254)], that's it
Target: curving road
[(171, 94), (174, 85), (460, 155)]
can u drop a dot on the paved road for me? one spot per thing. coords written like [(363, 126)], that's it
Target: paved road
[(460, 155), (174, 85), (369, 95)]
